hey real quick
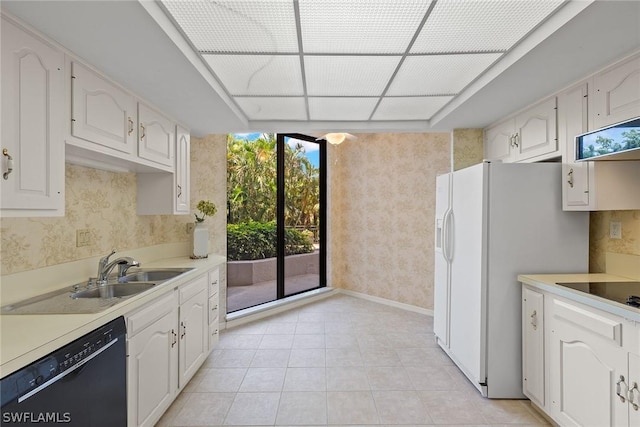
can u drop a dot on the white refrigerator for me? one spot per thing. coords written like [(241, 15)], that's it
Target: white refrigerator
[(493, 222)]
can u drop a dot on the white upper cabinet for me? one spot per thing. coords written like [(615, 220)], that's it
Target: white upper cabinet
[(32, 125), (536, 131), (101, 112), (529, 136), (572, 121), (156, 136), (183, 170), (616, 95), (499, 142)]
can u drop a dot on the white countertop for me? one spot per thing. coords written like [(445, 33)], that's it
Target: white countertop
[(548, 282), (25, 338)]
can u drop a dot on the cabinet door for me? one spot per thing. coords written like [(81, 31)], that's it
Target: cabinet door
[(194, 340), (572, 121), (536, 133), (101, 112), (32, 123), (152, 365), (586, 364), (156, 136), (533, 345), (616, 95), (634, 392), (183, 144), (498, 144)]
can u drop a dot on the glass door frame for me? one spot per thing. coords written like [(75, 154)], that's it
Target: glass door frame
[(280, 210)]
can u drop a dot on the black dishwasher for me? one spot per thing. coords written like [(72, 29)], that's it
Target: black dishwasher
[(81, 384)]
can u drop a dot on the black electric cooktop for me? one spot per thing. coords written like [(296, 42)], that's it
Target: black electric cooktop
[(623, 292)]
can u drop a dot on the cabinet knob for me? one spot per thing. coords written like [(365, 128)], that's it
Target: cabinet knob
[(633, 401), (570, 180), (619, 389), (534, 320), (9, 167)]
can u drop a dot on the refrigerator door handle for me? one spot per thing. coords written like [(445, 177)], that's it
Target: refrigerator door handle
[(446, 241)]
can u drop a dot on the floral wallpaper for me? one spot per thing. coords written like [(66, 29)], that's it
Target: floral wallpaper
[(105, 203), (600, 243), (468, 147), (382, 214)]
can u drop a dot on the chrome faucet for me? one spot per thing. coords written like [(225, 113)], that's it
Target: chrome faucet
[(105, 267)]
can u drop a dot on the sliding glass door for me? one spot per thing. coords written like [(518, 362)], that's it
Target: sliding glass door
[(276, 200)]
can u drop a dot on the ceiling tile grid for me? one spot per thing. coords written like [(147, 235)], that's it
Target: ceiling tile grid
[(348, 75), (410, 108), (357, 27), (273, 108), (341, 108), (352, 60), (258, 74)]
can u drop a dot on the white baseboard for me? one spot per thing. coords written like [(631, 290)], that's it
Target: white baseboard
[(274, 307), (396, 304)]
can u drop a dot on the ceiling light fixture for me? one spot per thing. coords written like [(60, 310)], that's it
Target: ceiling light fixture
[(337, 138)]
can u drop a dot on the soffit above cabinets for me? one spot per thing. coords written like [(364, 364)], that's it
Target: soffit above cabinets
[(337, 60), (353, 73)]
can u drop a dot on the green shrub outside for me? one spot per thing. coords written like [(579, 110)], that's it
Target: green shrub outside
[(257, 240)]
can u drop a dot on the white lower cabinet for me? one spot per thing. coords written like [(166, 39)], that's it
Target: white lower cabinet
[(581, 364), (587, 366), (152, 358), (533, 382), (194, 341), (167, 342), (214, 307)]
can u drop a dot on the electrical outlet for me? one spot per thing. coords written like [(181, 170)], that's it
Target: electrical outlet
[(190, 227), (83, 237), (615, 230)]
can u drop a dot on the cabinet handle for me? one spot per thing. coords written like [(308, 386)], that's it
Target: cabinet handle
[(214, 308), (175, 338), (184, 330), (534, 320), (9, 169), (619, 390), (179, 190), (511, 140), (631, 400), (142, 134), (570, 180), (515, 139), (130, 126)]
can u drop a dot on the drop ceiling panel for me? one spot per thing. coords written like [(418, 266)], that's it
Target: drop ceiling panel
[(480, 26), (348, 75), (341, 108), (258, 74), (237, 26), (373, 26), (410, 108), (273, 108), (439, 74)]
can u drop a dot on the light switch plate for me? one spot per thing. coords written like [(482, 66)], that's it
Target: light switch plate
[(615, 230), (83, 237)]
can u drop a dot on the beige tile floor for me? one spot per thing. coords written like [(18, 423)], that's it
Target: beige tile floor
[(339, 361)]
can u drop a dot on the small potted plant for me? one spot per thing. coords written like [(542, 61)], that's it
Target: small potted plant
[(200, 242)]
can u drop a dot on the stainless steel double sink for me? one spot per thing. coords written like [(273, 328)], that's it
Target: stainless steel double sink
[(88, 297)]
